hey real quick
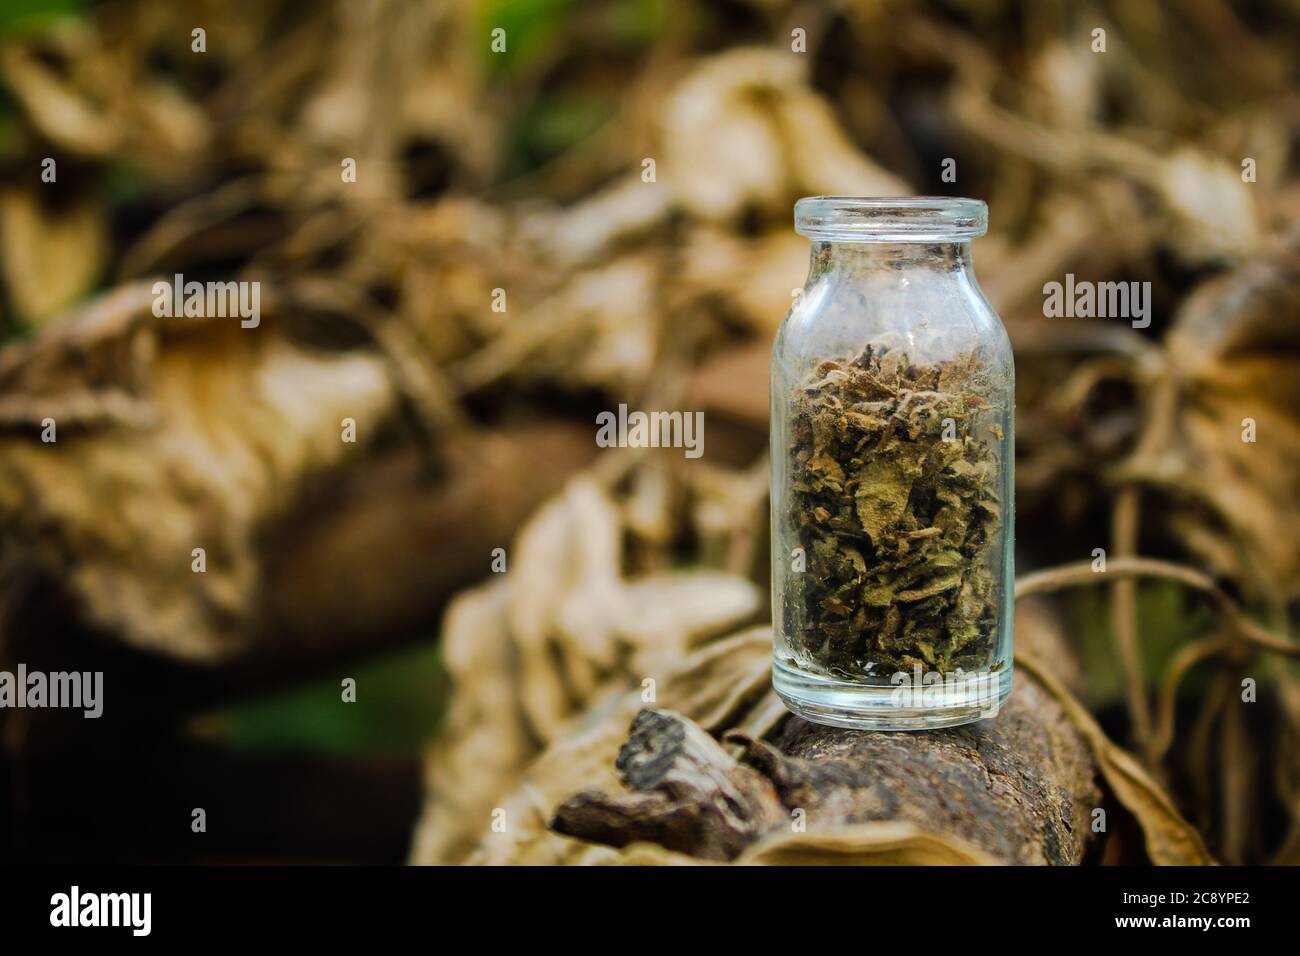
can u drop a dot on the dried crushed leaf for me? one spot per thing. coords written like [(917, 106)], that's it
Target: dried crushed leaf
[(898, 518)]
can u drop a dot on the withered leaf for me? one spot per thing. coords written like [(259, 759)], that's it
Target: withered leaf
[(878, 843), (1170, 839)]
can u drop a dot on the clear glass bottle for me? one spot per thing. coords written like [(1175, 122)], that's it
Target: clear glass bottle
[(893, 395)]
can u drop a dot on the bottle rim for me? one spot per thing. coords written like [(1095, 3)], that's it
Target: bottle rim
[(891, 218)]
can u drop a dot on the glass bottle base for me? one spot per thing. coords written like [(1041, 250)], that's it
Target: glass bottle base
[(840, 703)]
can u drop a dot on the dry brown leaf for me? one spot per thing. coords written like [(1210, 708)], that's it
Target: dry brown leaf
[(78, 92), (179, 434), (652, 854), (722, 149), (864, 844), (602, 329), (1069, 75), (676, 608), (172, 126), (1233, 355), (484, 740), (757, 278), (95, 372), (1170, 839), (713, 686), (62, 113), (51, 256), (570, 237), (564, 631), (744, 128), (822, 159), (565, 581), (1213, 210)]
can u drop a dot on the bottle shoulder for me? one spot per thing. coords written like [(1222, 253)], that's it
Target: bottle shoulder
[(930, 315)]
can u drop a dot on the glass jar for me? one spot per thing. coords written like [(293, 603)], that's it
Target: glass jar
[(893, 395)]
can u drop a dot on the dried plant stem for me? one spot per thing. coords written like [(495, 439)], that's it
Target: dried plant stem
[(1125, 522), (1073, 394), (1287, 786), (1199, 747), (1187, 657), (1236, 773), (1080, 573), (1123, 619), (1289, 852)]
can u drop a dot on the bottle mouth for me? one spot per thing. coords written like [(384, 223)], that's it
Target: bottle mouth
[(890, 219)]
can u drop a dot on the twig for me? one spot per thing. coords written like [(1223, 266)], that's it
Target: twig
[(1125, 523), (1187, 657), (1081, 573)]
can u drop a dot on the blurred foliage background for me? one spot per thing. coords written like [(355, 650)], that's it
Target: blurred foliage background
[(523, 170)]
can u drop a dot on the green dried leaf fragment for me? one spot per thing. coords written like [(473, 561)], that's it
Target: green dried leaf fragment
[(935, 586), (882, 493), (879, 595)]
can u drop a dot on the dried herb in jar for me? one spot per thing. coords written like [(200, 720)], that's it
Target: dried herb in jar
[(894, 477)]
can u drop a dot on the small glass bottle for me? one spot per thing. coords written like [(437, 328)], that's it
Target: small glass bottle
[(893, 394)]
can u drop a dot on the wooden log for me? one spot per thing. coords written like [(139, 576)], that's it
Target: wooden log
[(1020, 787)]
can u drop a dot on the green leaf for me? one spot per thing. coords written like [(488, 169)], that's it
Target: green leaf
[(400, 700), (20, 18)]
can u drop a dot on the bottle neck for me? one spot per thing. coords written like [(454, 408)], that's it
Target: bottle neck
[(887, 256)]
